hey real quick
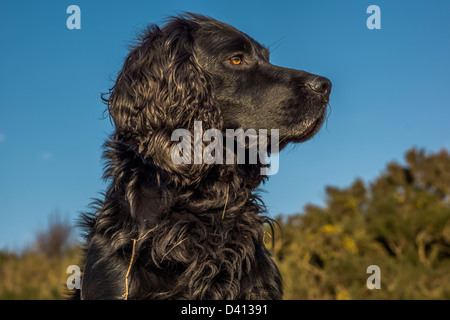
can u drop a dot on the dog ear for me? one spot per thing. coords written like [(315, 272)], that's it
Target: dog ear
[(161, 88), (132, 90)]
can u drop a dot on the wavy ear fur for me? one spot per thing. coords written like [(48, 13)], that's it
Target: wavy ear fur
[(161, 88)]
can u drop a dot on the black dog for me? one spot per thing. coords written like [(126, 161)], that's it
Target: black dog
[(191, 231)]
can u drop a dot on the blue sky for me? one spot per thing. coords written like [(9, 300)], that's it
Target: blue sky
[(390, 93)]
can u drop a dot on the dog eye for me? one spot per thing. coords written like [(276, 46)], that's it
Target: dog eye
[(237, 60)]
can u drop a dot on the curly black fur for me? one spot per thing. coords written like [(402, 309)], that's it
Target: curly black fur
[(161, 231)]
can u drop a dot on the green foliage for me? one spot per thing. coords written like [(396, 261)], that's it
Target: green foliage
[(400, 222), (39, 272)]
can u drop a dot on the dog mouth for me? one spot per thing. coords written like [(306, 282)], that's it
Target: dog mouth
[(309, 129), (304, 135)]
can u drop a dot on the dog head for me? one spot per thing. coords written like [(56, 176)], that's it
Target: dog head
[(253, 93), (196, 68)]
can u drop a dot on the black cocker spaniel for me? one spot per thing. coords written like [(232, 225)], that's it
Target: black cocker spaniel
[(191, 231)]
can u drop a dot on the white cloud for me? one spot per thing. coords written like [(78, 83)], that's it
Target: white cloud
[(2, 137)]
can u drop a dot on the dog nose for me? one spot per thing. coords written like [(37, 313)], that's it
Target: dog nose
[(320, 85)]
